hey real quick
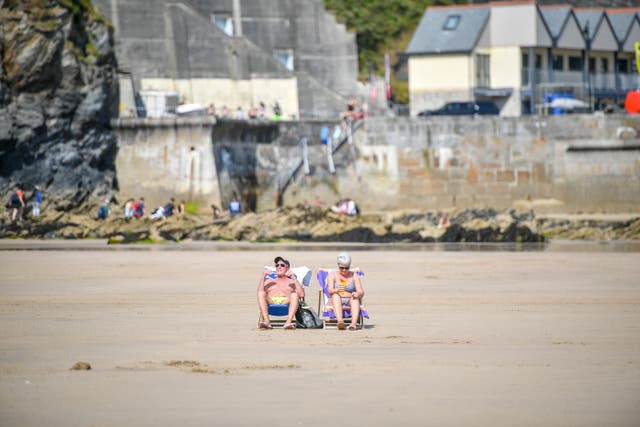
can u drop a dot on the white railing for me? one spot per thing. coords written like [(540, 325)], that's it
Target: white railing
[(629, 81)]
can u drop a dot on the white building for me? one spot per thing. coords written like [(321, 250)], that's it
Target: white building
[(520, 55)]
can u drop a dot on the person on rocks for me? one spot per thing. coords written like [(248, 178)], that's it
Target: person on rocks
[(182, 207), (170, 207), (345, 288), (235, 208), (138, 208), (128, 209), (216, 211), (444, 222), (158, 213), (16, 202), (104, 210), (281, 288), (36, 201), (346, 206)]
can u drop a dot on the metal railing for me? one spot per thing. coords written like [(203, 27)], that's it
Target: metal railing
[(604, 81)]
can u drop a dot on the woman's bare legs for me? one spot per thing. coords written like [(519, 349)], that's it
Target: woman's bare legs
[(336, 301), (355, 312)]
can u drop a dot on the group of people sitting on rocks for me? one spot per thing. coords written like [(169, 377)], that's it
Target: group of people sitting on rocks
[(136, 209)]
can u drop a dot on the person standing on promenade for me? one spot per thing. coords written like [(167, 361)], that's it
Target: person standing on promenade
[(277, 112)]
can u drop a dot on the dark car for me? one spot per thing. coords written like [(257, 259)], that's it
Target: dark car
[(480, 108)]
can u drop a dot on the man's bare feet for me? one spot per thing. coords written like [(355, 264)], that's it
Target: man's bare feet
[(288, 326), (341, 326), (265, 325)]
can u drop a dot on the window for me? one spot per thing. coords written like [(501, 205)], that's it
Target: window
[(538, 62), (575, 63), (525, 60), (592, 65), (622, 65), (558, 62), (483, 76), (285, 56), (224, 22), (451, 23), (604, 65)]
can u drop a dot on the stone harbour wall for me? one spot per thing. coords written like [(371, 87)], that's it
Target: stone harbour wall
[(560, 164), (569, 163)]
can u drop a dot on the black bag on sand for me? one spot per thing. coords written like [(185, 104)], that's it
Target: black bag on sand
[(306, 318)]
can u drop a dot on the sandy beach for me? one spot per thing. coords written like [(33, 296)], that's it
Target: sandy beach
[(456, 338)]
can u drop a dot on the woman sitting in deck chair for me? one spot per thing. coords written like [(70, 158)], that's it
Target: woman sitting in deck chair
[(344, 288)]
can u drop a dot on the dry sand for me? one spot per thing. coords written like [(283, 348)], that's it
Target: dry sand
[(456, 339)]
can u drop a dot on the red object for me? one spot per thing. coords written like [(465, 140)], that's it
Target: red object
[(632, 103)]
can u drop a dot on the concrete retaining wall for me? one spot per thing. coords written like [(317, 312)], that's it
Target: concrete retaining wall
[(567, 163), (573, 162), (163, 158)]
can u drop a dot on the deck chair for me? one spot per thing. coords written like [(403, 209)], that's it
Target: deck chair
[(278, 312), (325, 308)]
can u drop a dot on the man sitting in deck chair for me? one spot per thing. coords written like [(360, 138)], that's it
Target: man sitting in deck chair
[(284, 288)]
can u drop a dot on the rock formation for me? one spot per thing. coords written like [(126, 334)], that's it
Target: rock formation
[(314, 224), (58, 92)]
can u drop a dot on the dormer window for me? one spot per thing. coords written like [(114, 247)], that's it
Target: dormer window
[(451, 23)]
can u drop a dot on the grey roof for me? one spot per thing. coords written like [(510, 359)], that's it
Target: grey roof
[(591, 17), (430, 37), (555, 17), (621, 23)]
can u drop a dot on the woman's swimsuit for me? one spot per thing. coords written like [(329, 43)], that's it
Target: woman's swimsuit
[(348, 287)]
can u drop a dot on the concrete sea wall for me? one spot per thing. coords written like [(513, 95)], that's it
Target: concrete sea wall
[(573, 162), (569, 163)]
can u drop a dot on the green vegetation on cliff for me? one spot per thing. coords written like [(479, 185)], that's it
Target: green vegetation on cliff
[(382, 26)]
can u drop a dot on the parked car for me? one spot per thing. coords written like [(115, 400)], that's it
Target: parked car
[(479, 108)]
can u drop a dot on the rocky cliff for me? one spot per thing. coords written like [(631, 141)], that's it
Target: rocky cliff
[(58, 92)]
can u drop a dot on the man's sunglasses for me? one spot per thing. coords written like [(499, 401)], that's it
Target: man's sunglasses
[(343, 268), (281, 265)]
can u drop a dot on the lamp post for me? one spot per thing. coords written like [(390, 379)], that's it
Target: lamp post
[(587, 39)]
